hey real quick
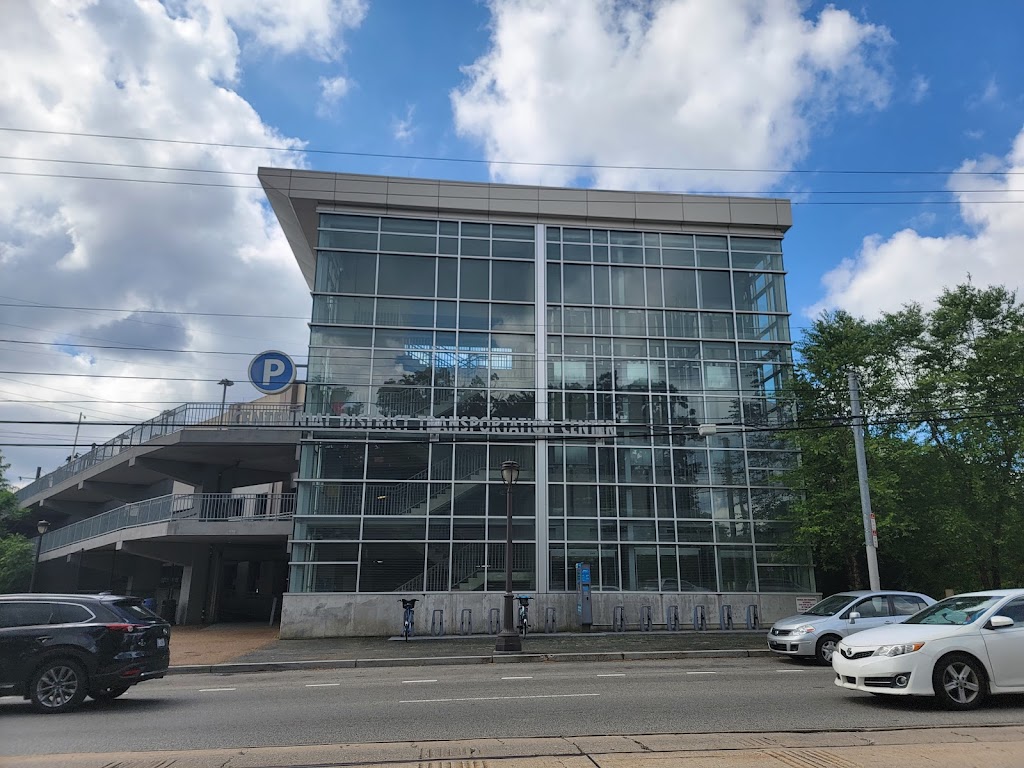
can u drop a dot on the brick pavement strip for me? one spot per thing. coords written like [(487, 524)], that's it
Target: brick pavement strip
[(245, 648), (992, 747)]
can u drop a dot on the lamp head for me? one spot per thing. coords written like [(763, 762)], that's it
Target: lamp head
[(509, 472)]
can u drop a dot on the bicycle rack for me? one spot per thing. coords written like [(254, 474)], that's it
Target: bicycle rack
[(619, 619), (437, 622), (753, 620), (700, 619), (725, 616), (466, 622), (672, 618), (493, 621), (549, 620), (645, 618)]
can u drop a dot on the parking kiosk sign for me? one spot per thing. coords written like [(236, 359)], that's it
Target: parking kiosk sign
[(272, 372)]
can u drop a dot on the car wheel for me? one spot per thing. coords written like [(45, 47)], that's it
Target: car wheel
[(112, 692), (58, 686), (824, 650), (959, 682)]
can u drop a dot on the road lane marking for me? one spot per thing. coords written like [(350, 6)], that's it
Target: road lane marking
[(791, 671), (501, 698), (702, 673), (211, 690), (525, 677), (613, 674), (419, 681), (321, 685)]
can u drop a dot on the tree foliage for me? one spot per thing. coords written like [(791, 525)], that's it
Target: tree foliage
[(943, 393), (16, 553)]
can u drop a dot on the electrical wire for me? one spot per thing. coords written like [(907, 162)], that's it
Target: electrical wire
[(794, 203), (219, 171), (177, 312), (484, 161)]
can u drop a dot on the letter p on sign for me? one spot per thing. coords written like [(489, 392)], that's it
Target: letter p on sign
[(271, 372), (271, 368)]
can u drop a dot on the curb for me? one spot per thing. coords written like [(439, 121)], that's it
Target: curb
[(422, 661)]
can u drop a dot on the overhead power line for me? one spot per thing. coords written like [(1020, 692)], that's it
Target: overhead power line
[(222, 172), (799, 203), (485, 161), (127, 348), (126, 310), (629, 430), (102, 376)]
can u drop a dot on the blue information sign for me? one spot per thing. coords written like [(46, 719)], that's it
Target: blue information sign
[(272, 372)]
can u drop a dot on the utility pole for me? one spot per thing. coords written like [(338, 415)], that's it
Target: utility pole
[(74, 447), (870, 532), (225, 383)]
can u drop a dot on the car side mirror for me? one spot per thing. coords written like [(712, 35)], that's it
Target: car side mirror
[(999, 622), (853, 616)]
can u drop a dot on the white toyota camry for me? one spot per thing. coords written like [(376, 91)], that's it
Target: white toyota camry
[(961, 649)]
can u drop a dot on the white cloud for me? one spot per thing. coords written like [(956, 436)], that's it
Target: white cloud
[(403, 128), (989, 95), (908, 266), (974, 133), (919, 88), (684, 83), (145, 69), (332, 91), (311, 27)]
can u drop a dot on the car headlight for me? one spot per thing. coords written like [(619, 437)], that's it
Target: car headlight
[(804, 629), (898, 650)]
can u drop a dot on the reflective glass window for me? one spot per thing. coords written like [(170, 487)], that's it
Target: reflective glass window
[(759, 292), (681, 288), (715, 290), (406, 275), (474, 279), (346, 272), (627, 286), (512, 281), (577, 284)]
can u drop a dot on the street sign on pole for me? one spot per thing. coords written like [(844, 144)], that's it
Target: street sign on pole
[(272, 372)]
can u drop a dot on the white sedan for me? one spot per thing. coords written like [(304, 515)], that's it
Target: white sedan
[(961, 649)]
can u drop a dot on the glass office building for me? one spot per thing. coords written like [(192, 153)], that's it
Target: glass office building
[(587, 339)]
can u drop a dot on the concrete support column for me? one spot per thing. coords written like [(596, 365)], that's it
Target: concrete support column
[(214, 585), (194, 589)]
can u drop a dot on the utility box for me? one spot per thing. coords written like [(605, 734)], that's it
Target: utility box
[(584, 609)]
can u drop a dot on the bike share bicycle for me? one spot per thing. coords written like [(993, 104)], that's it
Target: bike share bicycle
[(408, 617), (524, 614)]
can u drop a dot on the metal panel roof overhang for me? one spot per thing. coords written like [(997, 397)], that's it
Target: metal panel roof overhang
[(260, 454), (296, 195)]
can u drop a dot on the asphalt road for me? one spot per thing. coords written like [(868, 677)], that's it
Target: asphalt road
[(454, 702)]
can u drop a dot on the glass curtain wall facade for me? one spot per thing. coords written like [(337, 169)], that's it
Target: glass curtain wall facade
[(655, 332)]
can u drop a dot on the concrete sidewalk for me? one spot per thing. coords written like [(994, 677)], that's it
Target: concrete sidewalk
[(231, 648), (992, 747)]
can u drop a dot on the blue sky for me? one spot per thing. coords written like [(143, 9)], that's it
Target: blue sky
[(953, 70), (801, 89)]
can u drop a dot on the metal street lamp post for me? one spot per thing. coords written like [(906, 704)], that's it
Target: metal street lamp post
[(42, 526), (224, 395), (508, 638)]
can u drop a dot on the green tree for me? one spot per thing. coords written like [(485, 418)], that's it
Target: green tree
[(16, 554), (943, 393)]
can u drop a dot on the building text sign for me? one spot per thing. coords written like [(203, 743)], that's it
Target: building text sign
[(464, 424)]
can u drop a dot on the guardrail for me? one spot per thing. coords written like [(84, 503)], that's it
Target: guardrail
[(207, 507), (168, 422)]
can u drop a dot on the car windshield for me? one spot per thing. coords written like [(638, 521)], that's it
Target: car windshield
[(955, 611), (830, 606)]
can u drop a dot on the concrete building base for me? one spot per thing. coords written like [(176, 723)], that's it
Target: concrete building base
[(310, 615)]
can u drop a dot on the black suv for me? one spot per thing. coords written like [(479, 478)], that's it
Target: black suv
[(56, 649)]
